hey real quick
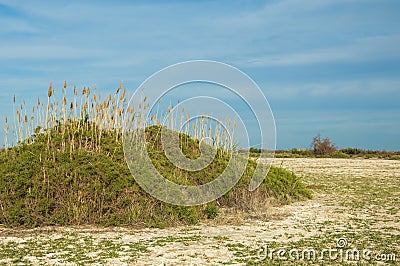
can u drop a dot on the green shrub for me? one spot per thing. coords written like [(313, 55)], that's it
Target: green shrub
[(340, 154), (41, 184), (301, 152), (211, 210), (69, 167)]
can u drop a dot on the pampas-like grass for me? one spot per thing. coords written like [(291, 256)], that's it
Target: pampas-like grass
[(83, 121)]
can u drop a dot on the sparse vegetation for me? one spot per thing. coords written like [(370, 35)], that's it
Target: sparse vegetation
[(345, 153), (324, 148)]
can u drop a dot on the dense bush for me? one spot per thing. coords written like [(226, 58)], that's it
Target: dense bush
[(42, 184)]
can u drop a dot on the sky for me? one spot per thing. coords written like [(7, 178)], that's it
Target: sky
[(330, 67)]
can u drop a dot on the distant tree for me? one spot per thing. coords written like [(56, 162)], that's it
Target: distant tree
[(322, 146)]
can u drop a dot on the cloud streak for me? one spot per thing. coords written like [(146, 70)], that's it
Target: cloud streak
[(360, 50)]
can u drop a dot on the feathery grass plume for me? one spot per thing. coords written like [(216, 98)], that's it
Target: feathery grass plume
[(119, 88), (123, 96), (49, 94), (49, 105), (26, 127), (24, 120), (38, 117), (119, 98), (81, 114), (87, 110), (64, 101), (7, 127), (33, 125), (50, 90), (120, 112), (19, 137), (15, 121), (202, 126), (75, 104), (32, 120), (64, 119)]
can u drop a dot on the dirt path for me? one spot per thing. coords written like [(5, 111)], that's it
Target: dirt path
[(356, 200)]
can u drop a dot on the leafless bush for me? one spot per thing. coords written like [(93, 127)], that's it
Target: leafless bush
[(322, 146)]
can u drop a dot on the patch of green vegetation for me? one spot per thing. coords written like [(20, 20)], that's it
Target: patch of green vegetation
[(162, 241), (211, 210), (80, 250), (47, 182), (345, 153), (221, 238)]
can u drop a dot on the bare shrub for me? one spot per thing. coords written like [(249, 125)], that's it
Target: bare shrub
[(322, 146)]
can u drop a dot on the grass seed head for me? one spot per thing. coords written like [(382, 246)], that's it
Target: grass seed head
[(119, 88), (50, 90), (122, 95)]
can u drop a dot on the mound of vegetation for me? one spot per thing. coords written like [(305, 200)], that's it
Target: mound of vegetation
[(53, 186), (72, 171)]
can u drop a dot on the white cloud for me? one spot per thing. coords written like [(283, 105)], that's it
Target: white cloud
[(360, 50), (373, 88), (45, 51)]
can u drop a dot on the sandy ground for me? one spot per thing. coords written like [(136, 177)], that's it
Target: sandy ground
[(335, 182)]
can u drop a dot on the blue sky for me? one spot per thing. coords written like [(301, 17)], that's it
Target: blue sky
[(329, 67)]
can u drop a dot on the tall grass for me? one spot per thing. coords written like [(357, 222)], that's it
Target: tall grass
[(71, 117), (73, 113)]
